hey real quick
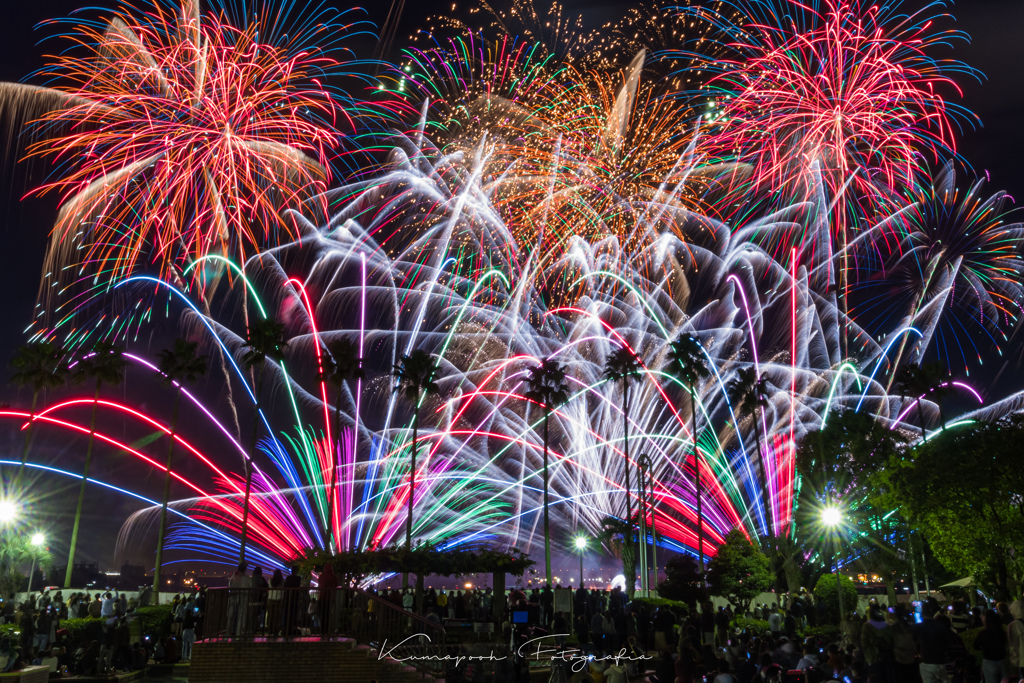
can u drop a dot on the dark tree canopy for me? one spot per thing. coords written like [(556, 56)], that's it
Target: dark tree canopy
[(739, 572), (683, 581), (964, 489)]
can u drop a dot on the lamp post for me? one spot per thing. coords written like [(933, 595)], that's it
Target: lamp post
[(642, 518), (832, 519), (647, 503), (581, 547), (37, 541)]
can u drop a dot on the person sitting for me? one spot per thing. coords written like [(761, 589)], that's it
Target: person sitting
[(810, 656)]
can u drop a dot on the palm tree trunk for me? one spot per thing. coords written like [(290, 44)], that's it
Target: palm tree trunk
[(696, 471), (913, 565), (916, 308), (920, 419), (81, 488), (547, 528), (167, 496), (332, 493), (765, 502), (28, 440), (249, 466)]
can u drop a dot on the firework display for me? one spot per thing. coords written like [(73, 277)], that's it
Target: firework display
[(754, 178)]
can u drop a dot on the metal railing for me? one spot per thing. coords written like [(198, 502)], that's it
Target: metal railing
[(293, 613)]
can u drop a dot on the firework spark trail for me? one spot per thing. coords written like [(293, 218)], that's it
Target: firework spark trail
[(571, 201), (183, 134)]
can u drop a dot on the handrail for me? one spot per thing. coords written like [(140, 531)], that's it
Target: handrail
[(294, 613)]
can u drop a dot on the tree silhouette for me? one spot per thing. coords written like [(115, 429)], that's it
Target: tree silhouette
[(414, 376), (339, 365), (687, 363), (622, 365), (39, 366), (103, 364), (547, 388), (913, 382), (179, 364), (265, 339), (748, 392), (619, 535)]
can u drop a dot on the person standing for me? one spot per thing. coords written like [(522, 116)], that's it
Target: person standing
[(547, 602), (188, 631), (107, 608), (1015, 638), (42, 637), (274, 598), (258, 599), (707, 623), (239, 587), (775, 622), (95, 607), (328, 587), (992, 642), (933, 641), (293, 603), (442, 604)]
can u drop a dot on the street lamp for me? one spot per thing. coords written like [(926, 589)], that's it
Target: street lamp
[(9, 511), (581, 547), (832, 519), (831, 516), (37, 541)]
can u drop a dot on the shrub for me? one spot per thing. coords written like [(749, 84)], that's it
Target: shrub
[(83, 630), (653, 603), (756, 626), (825, 592), (826, 634), (155, 620)]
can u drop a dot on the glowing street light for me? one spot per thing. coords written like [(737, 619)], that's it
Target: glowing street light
[(9, 511), (831, 516), (581, 547), (832, 519), (37, 540)]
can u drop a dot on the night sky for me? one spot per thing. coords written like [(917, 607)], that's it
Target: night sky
[(995, 148)]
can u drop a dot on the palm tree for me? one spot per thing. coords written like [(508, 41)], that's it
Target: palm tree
[(619, 532), (750, 392), (913, 381), (622, 365), (341, 364), (41, 366), (687, 363), (547, 388), (414, 376), (178, 365), (104, 364), (265, 339)]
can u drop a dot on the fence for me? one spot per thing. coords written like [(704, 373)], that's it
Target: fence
[(293, 613)]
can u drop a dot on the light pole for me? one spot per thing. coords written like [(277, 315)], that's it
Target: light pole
[(37, 541), (832, 519), (581, 547), (642, 518)]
